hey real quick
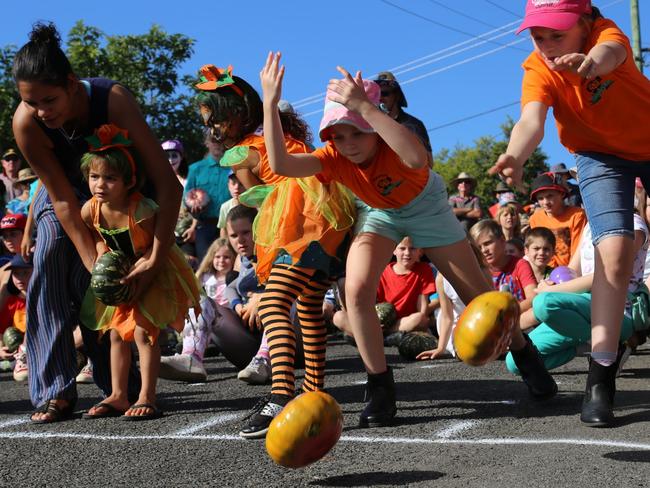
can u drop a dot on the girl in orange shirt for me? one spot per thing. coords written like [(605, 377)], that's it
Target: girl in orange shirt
[(385, 165), (583, 67)]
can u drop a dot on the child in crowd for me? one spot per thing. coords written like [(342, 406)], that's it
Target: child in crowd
[(508, 272), (215, 268), (562, 312), (407, 284), (515, 247), (508, 218), (20, 204), (565, 222), (539, 249), (235, 324), (14, 279), (235, 188), (301, 232), (584, 68), (385, 165), (122, 219), (12, 229)]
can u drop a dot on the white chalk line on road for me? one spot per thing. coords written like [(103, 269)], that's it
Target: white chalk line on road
[(506, 441), (12, 422), (456, 428), (218, 420)]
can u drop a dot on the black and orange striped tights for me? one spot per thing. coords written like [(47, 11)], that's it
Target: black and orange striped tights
[(285, 286)]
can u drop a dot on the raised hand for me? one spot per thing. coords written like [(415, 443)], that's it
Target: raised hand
[(348, 91), (271, 79)]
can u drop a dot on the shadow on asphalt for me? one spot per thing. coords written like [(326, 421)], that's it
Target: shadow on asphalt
[(629, 456), (379, 478)]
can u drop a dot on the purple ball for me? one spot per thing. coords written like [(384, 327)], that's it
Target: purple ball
[(562, 274)]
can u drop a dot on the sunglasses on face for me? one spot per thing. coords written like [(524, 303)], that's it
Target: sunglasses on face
[(387, 93), (11, 159)]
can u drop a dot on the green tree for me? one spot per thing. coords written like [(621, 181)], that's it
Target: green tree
[(8, 96), (478, 159)]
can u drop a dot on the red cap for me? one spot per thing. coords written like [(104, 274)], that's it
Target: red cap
[(13, 221), (554, 14)]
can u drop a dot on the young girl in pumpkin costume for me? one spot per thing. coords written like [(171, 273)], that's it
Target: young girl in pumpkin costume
[(301, 233), (122, 219)]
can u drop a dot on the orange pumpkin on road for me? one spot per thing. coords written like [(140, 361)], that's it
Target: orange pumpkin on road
[(485, 327), (306, 429)]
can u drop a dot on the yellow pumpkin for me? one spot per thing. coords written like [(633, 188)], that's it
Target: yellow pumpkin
[(305, 430), (485, 327)]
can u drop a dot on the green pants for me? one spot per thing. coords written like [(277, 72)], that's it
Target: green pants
[(565, 324)]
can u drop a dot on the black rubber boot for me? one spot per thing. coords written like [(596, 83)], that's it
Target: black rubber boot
[(380, 394), (539, 381), (598, 402)]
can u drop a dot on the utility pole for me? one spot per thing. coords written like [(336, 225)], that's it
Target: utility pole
[(636, 34)]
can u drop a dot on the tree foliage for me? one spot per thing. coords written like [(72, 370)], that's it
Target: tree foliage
[(148, 64), (476, 161)]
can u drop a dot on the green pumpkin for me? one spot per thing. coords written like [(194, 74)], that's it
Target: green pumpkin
[(413, 343), (12, 339), (182, 224), (387, 314), (109, 269)]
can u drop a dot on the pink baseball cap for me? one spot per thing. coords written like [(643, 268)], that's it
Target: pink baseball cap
[(554, 14), (335, 113)]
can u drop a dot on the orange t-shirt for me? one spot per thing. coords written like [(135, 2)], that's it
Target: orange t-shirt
[(567, 229), (385, 182), (266, 174), (609, 114)]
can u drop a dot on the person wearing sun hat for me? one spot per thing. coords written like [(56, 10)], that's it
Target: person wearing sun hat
[(27, 183), (565, 222), (465, 205), (11, 163), (393, 99), (573, 197)]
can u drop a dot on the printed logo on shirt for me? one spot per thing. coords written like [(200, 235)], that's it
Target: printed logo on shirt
[(562, 241), (386, 185), (597, 88)]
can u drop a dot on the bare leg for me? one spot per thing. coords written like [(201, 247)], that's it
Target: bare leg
[(368, 255), (149, 366), (415, 321), (340, 320), (120, 365), (614, 258)]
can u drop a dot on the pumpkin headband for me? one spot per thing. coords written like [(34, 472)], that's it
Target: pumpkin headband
[(213, 78), (109, 136)]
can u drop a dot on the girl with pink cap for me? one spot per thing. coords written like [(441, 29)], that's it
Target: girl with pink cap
[(385, 166), (583, 68)]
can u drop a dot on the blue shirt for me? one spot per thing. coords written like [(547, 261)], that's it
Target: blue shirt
[(209, 176)]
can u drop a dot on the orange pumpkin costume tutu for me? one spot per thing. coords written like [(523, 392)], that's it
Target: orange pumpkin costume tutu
[(171, 293), (301, 221)]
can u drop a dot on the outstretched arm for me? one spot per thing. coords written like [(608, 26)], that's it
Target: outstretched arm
[(281, 162)]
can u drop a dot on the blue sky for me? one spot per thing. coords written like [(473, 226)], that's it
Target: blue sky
[(446, 71)]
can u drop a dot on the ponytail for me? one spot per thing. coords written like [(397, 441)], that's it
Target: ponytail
[(42, 59)]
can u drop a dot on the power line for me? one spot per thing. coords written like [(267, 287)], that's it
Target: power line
[(473, 116), (494, 4), (435, 22), (462, 14)]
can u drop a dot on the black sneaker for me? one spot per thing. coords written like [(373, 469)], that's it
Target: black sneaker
[(261, 416)]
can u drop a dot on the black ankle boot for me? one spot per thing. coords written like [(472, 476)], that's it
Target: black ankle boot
[(380, 395), (598, 402), (539, 381)]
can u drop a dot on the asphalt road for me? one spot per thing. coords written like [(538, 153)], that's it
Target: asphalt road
[(458, 426)]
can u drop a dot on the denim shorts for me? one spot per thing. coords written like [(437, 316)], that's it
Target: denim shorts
[(427, 219), (607, 189)]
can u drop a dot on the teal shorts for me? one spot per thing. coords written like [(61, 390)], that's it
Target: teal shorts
[(427, 219)]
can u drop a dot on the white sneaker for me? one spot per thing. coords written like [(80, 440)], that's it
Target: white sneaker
[(258, 371), (86, 373), (182, 367)]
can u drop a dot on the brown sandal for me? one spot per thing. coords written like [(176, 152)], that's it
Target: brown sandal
[(55, 412)]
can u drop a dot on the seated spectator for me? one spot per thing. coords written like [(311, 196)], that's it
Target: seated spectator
[(235, 188), (20, 204), (14, 279), (515, 247), (508, 218), (465, 205), (407, 284), (565, 222), (12, 229), (508, 272), (539, 250), (573, 197)]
